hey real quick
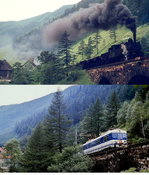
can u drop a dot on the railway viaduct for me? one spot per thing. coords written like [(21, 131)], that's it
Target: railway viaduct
[(128, 72), (121, 159)]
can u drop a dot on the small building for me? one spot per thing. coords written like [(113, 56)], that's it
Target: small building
[(30, 65), (5, 70), (4, 166)]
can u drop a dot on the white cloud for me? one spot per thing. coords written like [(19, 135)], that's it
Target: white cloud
[(15, 94), (22, 9)]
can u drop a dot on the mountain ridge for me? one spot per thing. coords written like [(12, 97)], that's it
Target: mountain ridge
[(76, 98)]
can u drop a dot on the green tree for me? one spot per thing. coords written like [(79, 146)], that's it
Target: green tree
[(71, 160), (97, 40), (33, 159), (50, 70), (14, 152), (89, 48), (81, 49), (145, 45), (93, 122), (59, 121), (122, 113), (64, 50), (20, 76), (113, 35), (112, 108)]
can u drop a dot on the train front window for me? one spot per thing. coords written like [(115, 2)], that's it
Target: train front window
[(120, 136)]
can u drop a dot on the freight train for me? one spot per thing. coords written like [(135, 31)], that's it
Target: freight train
[(117, 53), (110, 139)]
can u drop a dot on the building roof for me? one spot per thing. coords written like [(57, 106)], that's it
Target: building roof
[(4, 65), (2, 153)]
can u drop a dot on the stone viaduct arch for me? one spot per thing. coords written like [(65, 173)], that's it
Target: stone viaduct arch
[(128, 72)]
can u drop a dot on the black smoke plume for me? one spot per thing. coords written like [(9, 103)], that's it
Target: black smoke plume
[(98, 16)]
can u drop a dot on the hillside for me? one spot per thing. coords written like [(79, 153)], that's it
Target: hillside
[(122, 34), (13, 31), (77, 99), (23, 39)]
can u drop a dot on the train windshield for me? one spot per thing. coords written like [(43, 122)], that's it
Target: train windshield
[(119, 136)]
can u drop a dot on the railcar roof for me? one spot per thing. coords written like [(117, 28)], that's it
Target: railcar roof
[(105, 133)]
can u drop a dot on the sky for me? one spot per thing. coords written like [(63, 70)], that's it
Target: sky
[(16, 94), (14, 10)]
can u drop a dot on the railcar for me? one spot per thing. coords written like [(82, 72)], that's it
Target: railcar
[(109, 139), (117, 53)]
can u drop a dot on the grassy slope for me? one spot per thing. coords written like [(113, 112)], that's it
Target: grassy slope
[(122, 35)]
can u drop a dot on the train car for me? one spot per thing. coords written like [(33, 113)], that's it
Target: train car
[(115, 54), (109, 139)]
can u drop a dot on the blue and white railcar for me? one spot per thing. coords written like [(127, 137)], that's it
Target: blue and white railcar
[(111, 138)]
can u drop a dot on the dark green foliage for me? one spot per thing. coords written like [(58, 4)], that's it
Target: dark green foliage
[(81, 49), (64, 50), (112, 108), (35, 155), (134, 116), (97, 40), (139, 9), (113, 35), (93, 122), (20, 75), (145, 45), (58, 121), (50, 70), (71, 160), (13, 150), (89, 48)]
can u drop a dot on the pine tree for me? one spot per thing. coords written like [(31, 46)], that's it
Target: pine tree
[(122, 114), (89, 48), (81, 49), (50, 70), (145, 45), (59, 121), (112, 108), (98, 115), (93, 123), (64, 49), (34, 156), (113, 35), (87, 125), (97, 40), (14, 151)]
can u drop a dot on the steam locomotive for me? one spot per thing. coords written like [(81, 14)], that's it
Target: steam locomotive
[(117, 53), (111, 138)]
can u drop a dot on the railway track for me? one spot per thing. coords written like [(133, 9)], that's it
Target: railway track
[(112, 150)]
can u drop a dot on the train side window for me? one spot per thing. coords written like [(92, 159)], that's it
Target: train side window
[(114, 135), (99, 141), (106, 138)]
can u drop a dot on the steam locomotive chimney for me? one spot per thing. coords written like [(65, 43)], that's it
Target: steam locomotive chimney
[(135, 35)]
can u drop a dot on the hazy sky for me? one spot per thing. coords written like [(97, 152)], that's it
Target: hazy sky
[(22, 9), (17, 94)]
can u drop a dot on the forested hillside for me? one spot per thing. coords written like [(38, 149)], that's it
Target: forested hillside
[(22, 118), (55, 144), (29, 40)]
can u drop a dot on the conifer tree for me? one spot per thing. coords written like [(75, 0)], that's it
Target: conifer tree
[(81, 49), (13, 150), (50, 70), (89, 48), (97, 40), (113, 35), (34, 156), (112, 108), (59, 121), (64, 51), (93, 123)]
